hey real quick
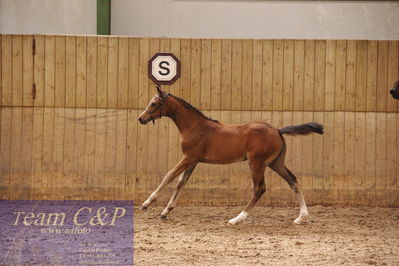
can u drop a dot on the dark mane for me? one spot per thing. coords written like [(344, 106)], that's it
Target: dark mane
[(190, 107)]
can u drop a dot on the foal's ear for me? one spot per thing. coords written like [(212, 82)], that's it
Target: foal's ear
[(160, 92)]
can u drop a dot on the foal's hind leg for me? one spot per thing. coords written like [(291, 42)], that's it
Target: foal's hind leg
[(258, 178), (279, 167), (180, 184)]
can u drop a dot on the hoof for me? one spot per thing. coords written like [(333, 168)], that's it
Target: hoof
[(143, 208), (239, 219), (233, 222), (300, 220), (162, 216)]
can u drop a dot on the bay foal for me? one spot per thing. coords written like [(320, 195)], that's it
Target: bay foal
[(204, 140)]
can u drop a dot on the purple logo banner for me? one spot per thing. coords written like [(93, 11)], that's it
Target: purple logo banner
[(66, 232)]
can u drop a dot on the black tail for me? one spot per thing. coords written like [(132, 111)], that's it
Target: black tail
[(304, 129)]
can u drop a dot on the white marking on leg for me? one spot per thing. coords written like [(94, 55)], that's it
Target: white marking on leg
[(241, 217), (150, 199), (164, 212), (303, 214), (168, 208)]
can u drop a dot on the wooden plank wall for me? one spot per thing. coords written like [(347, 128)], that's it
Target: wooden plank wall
[(74, 134)]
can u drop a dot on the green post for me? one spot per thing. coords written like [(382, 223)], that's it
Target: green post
[(103, 17)]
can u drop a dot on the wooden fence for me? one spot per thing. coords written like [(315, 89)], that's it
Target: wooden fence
[(69, 108)]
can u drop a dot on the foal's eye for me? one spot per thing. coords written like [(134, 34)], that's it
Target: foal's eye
[(153, 104)]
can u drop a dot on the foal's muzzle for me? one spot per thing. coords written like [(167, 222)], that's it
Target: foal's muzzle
[(145, 121), (142, 121), (395, 93)]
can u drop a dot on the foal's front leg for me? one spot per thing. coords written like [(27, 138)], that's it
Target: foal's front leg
[(180, 184), (172, 174)]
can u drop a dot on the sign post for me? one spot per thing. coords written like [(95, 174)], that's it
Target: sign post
[(164, 68)]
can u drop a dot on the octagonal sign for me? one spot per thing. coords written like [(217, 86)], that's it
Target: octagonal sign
[(164, 68)]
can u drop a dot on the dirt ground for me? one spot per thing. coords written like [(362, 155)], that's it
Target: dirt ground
[(333, 236)]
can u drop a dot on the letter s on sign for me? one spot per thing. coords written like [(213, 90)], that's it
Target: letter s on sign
[(75, 217), (167, 70)]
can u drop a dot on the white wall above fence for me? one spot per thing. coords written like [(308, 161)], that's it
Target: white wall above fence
[(48, 16), (256, 19)]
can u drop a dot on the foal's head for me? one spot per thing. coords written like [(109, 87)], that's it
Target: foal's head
[(155, 109), (395, 90)]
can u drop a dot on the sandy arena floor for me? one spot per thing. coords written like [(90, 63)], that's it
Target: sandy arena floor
[(333, 236)]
